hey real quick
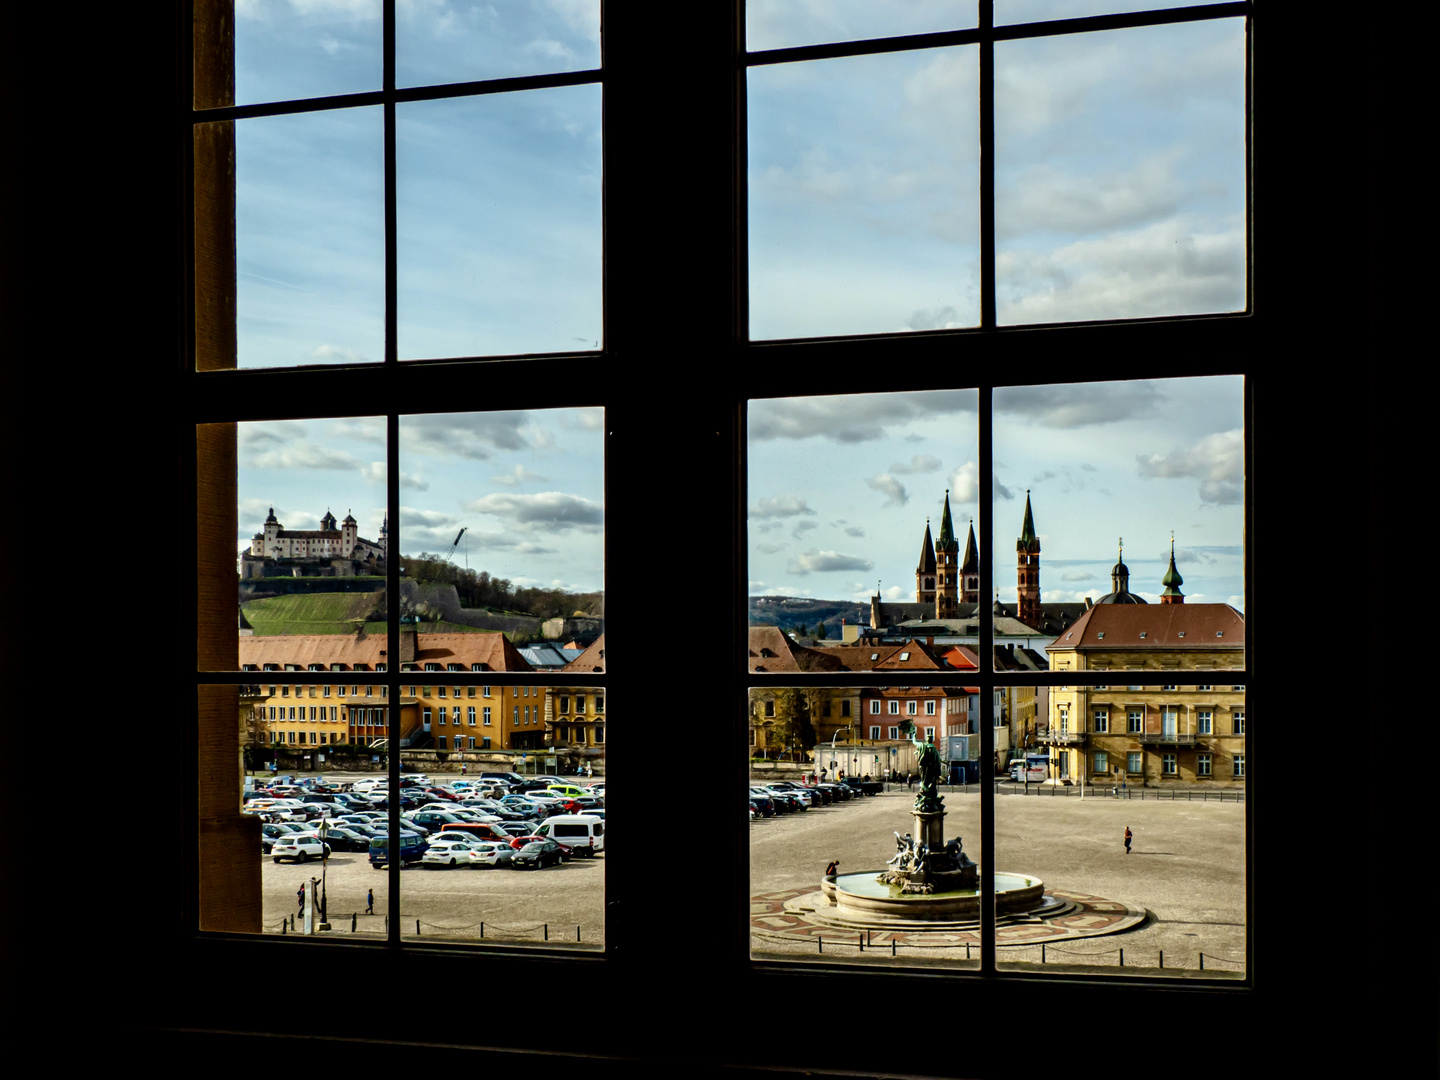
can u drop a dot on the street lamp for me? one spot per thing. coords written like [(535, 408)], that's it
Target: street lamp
[(833, 737)]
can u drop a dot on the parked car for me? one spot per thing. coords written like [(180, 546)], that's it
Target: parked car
[(538, 855), (300, 848)]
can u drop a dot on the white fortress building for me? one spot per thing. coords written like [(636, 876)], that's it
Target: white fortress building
[(335, 549)]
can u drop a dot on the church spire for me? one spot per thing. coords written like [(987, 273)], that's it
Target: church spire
[(1027, 571), (970, 569), (1172, 580)]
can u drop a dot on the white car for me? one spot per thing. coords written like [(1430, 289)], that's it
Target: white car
[(299, 848), (451, 854), (489, 853)]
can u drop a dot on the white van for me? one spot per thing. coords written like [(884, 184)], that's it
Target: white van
[(582, 833)]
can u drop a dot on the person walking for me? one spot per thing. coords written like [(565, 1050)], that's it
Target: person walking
[(370, 902), (300, 896), (1128, 837)]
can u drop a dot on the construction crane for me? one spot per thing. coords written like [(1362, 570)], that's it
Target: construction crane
[(456, 544)]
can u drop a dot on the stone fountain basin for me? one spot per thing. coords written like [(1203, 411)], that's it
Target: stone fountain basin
[(861, 896)]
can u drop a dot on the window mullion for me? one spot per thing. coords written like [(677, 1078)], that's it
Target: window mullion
[(987, 165)]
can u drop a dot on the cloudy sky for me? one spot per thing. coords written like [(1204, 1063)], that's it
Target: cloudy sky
[(840, 487), (1119, 168), (527, 486)]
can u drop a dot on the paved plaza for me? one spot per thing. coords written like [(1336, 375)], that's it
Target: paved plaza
[(1181, 891)]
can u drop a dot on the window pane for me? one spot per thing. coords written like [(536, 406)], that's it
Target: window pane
[(843, 490), (837, 776), (1120, 173), (863, 194), (499, 221), (1082, 468), (446, 41), (779, 24), (1104, 762), (309, 255), (311, 541), (1008, 12), (285, 50)]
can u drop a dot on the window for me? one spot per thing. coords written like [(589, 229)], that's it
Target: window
[(1168, 764), (1101, 719), (485, 714), (1204, 722), (1101, 762), (1237, 766), (1237, 717), (1134, 762), (470, 715), (911, 708), (863, 349), (894, 733), (875, 707), (894, 708), (874, 731), (1202, 765), (929, 708)]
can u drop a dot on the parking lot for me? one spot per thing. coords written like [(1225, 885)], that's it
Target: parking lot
[(1187, 869)]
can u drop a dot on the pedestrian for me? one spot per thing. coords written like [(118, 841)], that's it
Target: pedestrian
[(463, 768), (300, 896), (909, 781), (1128, 837), (830, 870), (370, 902)]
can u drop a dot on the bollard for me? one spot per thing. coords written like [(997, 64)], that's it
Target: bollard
[(819, 943), (892, 946), (1202, 961), (1162, 959), (547, 931), (967, 950), (1122, 957), (862, 941), (1042, 952), (354, 921), (577, 935), (417, 927), (284, 926)]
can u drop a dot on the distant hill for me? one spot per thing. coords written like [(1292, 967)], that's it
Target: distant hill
[(802, 613)]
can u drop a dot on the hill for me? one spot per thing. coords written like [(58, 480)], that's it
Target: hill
[(803, 613)]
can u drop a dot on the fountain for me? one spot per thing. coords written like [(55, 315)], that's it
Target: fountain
[(929, 881)]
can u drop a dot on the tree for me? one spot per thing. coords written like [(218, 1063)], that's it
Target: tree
[(793, 728), (820, 630)]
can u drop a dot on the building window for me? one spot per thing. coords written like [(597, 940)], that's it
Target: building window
[(470, 715), (1204, 722), (1237, 717), (875, 707), (1101, 763), (875, 731), (929, 708), (1237, 767), (1135, 721), (485, 716), (1168, 764), (894, 733), (1134, 761), (1202, 765), (911, 708), (894, 708), (1102, 721)]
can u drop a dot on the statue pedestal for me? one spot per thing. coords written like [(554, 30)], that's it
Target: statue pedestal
[(930, 829)]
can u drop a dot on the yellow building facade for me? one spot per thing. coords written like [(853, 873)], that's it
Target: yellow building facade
[(1171, 715)]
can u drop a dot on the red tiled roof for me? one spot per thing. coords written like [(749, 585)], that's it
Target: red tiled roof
[(1155, 626)]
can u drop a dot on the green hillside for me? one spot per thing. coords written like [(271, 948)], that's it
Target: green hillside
[(310, 613)]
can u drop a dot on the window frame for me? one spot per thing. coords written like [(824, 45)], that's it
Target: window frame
[(144, 54)]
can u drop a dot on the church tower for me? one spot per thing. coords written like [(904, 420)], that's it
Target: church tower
[(947, 567), (1027, 570), (1172, 580), (925, 570), (970, 570)]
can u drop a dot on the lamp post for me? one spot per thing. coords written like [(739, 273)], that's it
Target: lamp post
[(833, 737)]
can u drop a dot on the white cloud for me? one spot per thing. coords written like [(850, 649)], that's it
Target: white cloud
[(549, 511), (826, 561), (781, 506), (1217, 461), (892, 489)]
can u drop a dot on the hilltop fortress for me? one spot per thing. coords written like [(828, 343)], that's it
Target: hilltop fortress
[(333, 550)]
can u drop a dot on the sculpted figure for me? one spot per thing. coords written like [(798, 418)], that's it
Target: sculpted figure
[(928, 759)]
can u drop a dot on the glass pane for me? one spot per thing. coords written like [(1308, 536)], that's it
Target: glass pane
[(832, 535), (501, 534), (865, 823), (780, 24), (1126, 504), (446, 41), (1009, 12), (499, 220), (311, 542), (285, 49), (1120, 174), (1143, 859), (309, 254), (864, 194)]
